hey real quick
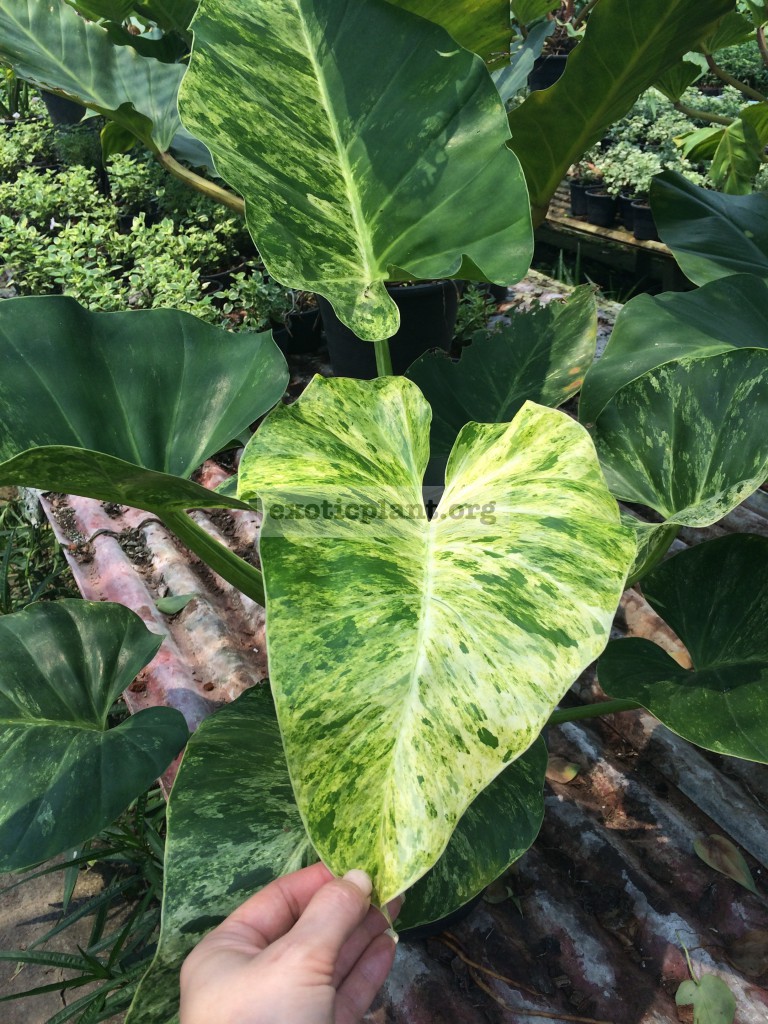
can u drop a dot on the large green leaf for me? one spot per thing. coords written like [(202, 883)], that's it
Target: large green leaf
[(540, 356), (123, 406), (715, 597), (688, 439), (413, 660), (50, 45), (627, 47), (650, 331), (64, 774), (482, 26), (494, 831), (711, 235), (360, 164), (233, 827), (732, 30)]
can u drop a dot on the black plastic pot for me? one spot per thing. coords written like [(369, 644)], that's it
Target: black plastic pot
[(301, 333), (601, 207), (546, 71), (645, 226), (496, 292), (579, 198), (427, 931), (624, 206), (61, 110), (427, 320)]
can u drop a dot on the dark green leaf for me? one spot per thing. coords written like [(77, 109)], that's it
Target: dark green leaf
[(361, 163), (732, 30), (233, 826), (627, 47), (715, 597), (678, 78), (64, 774), (713, 235), (482, 26), (526, 11), (495, 830), (540, 356), (651, 331)]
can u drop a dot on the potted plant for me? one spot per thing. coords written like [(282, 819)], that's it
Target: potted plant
[(567, 28), (583, 175)]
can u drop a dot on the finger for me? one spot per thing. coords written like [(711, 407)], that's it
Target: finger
[(359, 988), (374, 924), (275, 909), (332, 916)]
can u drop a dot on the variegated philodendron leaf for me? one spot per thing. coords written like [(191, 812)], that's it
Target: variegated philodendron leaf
[(64, 774), (715, 597), (358, 163), (483, 26), (411, 659), (233, 826), (689, 440)]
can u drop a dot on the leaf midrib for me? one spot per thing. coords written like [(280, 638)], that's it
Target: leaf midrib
[(362, 234)]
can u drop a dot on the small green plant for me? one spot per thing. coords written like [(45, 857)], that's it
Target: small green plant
[(32, 566), (474, 310)]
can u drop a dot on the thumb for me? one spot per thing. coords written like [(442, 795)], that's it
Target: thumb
[(333, 914)]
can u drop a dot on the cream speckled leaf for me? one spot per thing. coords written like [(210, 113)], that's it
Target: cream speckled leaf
[(689, 440), (233, 826), (365, 143), (412, 660)]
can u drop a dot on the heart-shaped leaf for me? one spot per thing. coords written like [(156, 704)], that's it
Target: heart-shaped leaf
[(715, 597), (233, 827), (413, 660), (360, 164), (711, 999), (688, 440), (482, 26), (653, 330), (711, 235), (50, 45), (627, 47), (64, 773), (540, 356)]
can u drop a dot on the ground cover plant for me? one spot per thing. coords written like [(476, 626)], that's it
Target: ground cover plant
[(499, 600)]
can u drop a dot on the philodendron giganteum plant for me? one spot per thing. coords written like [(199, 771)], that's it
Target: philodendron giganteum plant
[(401, 729)]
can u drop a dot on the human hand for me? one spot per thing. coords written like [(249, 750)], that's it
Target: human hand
[(307, 949)]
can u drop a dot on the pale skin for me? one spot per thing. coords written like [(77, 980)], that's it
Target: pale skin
[(307, 949)]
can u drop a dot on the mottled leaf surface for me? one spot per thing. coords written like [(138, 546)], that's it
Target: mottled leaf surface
[(482, 26), (494, 831), (715, 597), (109, 404), (711, 235), (64, 774), (627, 46), (690, 438), (724, 856), (362, 161), (653, 330), (416, 659), (233, 827), (540, 356), (50, 45)]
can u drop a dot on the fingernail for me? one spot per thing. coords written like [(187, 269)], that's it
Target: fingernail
[(393, 935), (361, 880)]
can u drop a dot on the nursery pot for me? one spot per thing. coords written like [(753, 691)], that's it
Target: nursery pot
[(625, 206), (601, 207), (427, 931), (301, 333), (427, 320), (644, 225), (546, 71), (496, 292), (579, 198), (61, 110)]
